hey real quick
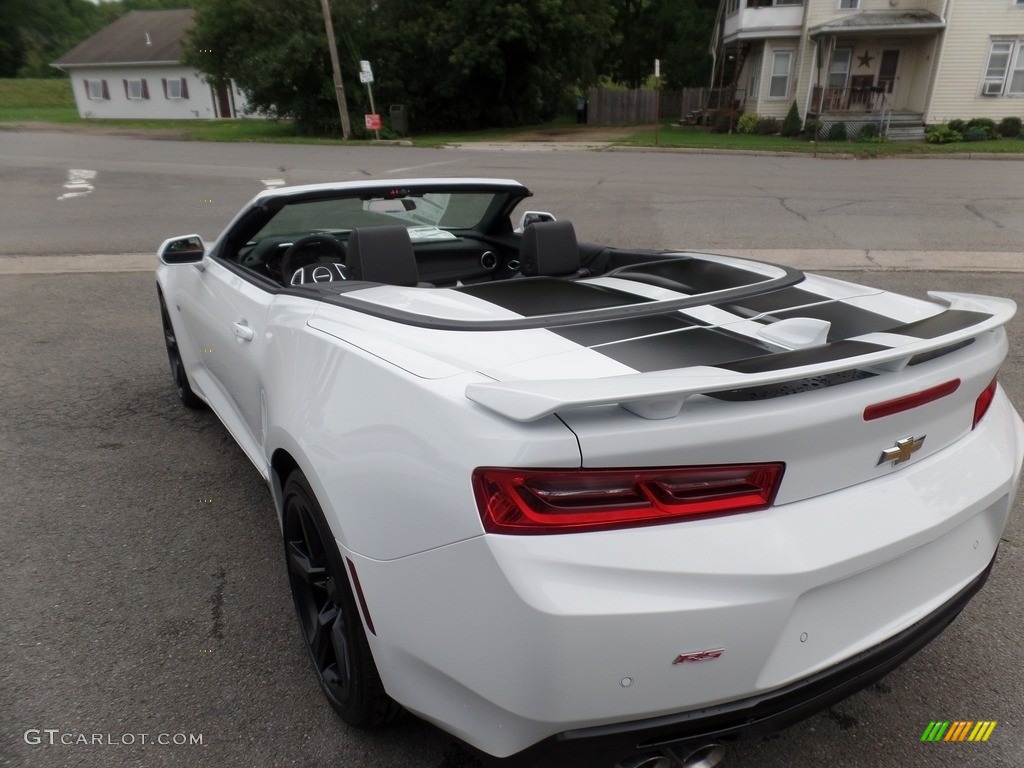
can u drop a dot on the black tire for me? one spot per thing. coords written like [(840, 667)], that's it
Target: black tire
[(329, 620), (188, 398)]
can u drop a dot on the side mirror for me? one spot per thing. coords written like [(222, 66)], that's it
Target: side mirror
[(532, 217), (182, 250)]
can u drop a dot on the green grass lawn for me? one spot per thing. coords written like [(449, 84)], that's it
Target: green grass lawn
[(36, 93), (694, 137), (51, 101)]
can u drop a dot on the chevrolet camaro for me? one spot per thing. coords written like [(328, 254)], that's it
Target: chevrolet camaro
[(584, 504)]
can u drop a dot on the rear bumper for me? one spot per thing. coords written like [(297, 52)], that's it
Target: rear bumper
[(523, 646), (607, 745)]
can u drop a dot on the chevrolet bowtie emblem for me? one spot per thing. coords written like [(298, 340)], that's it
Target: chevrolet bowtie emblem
[(902, 451)]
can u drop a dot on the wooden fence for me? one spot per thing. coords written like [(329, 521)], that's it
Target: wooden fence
[(636, 106)]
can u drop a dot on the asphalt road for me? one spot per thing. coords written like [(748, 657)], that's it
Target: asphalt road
[(142, 579), (144, 191)]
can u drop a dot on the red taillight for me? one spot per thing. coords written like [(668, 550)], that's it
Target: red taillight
[(570, 501), (900, 404), (983, 402)]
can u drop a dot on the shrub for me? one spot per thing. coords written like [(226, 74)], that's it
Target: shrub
[(791, 124), (867, 132), (976, 133), (812, 129), (943, 134), (984, 124), (767, 126), (957, 125), (747, 123), (837, 132), (723, 120), (1010, 127)]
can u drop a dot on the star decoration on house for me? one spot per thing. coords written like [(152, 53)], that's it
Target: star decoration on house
[(865, 60)]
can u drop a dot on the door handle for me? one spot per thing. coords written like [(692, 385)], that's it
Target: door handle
[(243, 332)]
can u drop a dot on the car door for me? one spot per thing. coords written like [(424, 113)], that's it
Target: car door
[(227, 319)]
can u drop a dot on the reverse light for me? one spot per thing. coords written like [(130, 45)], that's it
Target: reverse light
[(900, 404), (539, 501), (983, 402)]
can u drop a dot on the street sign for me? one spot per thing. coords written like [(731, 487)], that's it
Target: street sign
[(366, 77), (372, 122)]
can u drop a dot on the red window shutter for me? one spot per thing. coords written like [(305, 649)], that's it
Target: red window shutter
[(184, 88), (126, 89), (164, 81), (106, 91), (145, 89)]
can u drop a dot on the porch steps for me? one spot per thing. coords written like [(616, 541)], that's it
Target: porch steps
[(905, 132)]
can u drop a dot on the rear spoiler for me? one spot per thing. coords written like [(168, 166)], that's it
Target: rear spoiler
[(662, 394)]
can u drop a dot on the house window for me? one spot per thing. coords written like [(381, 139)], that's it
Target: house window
[(732, 7), (851, 5), (1004, 73), (782, 65), (136, 90), (175, 88), (96, 90)]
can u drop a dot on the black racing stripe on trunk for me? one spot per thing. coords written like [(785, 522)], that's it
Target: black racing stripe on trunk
[(697, 346), (771, 301), (938, 325), (800, 357), (846, 320), (591, 334), (689, 275), (549, 296)]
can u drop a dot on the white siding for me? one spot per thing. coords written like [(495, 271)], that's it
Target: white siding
[(957, 93), (198, 105)]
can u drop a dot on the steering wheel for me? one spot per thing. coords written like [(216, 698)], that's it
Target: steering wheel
[(322, 250)]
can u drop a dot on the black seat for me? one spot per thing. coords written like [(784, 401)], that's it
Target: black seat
[(382, 255), (550, 248)]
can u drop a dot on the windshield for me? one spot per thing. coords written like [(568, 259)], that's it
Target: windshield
[(427, 216)]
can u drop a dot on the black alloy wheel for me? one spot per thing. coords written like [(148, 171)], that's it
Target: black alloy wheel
[(328, 618), (188, 398)]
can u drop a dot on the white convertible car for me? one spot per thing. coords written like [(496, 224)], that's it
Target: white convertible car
[(579, 504)]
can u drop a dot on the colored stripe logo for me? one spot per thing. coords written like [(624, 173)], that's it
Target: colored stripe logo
[(958, 730)]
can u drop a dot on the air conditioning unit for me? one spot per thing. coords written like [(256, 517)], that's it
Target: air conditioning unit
[(992, 89)]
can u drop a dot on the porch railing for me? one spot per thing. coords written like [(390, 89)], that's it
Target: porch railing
[(849, 99)]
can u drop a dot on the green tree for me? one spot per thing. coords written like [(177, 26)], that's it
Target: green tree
[(473, 63), (277, 54), (675, 31), (453, 63), (36, 32)]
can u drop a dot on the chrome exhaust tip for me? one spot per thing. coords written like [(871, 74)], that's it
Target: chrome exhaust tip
[(704, 756), (647, 761)]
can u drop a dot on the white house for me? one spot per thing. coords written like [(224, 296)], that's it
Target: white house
[(904, 63), (133, 69)]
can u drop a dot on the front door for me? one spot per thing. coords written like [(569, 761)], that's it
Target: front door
[(888, 74)]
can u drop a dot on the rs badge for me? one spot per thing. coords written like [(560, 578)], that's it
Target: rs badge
[(708, 655)]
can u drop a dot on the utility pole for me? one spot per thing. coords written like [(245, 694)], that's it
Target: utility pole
[(339, 87)]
